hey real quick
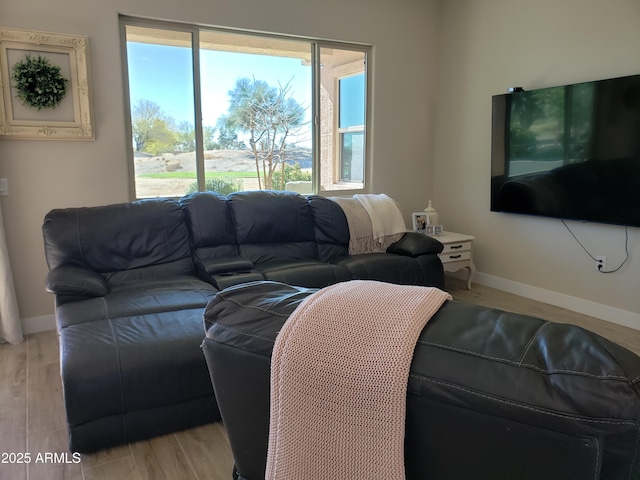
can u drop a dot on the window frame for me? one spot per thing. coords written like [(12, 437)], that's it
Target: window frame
[(316, 45)]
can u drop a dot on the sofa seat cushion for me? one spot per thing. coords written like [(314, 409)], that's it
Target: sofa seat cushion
[(548, 374), (142, 362), (304, 273), (138, 298)]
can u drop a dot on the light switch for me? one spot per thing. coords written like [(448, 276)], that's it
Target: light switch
[(4, 187)]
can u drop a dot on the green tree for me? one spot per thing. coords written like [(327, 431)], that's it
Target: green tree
[(154, 132), (269, 115), (227, 136), (185, 137), (208, 135)]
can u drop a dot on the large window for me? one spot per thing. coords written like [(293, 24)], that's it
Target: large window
[(227, 111)]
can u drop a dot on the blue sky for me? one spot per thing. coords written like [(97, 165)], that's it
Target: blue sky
[(164, 75)]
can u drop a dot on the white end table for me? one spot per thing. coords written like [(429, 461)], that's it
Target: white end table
[(457, 253)]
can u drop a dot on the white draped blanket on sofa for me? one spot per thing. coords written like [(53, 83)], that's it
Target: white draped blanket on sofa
[(375, 222)]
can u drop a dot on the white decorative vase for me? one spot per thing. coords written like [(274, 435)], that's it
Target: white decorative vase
[(431, 214)]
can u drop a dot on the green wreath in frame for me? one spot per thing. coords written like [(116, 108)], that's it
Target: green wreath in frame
[(38, 83)]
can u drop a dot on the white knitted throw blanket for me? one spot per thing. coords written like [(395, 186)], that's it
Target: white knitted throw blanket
[(361, 237), (339, 374), (385, 215)]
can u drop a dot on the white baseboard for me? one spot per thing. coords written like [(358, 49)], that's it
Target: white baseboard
[(575, 304), (38, 324)]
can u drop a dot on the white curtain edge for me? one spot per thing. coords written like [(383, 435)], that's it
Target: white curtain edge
[(10, 325)]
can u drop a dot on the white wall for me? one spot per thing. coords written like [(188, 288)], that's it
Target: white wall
[(52, 174), (487, 46)]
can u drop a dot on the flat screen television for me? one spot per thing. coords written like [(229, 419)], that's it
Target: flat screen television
[(569, 152)]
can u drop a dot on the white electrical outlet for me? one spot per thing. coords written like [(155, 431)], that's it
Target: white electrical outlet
[(601, 263), (4, 187)]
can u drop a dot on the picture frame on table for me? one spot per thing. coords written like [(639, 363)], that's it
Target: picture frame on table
[(434, 230), (420, 220), (56, 106)]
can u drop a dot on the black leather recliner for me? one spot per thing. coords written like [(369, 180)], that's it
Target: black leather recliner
[(129, 317), (491, 395)]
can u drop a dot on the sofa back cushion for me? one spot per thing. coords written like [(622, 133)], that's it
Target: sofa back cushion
[(142, 239), (331, 228), (273, 226), (210, 225)]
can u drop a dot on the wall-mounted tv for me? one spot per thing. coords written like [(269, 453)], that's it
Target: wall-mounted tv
[(570, 152)]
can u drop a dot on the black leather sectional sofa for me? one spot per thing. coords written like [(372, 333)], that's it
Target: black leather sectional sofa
[(131, 282)]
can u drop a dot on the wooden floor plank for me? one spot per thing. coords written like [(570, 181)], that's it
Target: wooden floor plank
[(13, 471), (91, 460), (43, 348), (50, 457), (13, 440), (13, 376), (207, 448), (120, 469), (45, 402), (162, 458), (13, 409)]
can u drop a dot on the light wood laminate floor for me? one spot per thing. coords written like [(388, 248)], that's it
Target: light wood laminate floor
[(32, 417)]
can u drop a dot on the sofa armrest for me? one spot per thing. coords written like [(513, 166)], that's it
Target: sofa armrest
[(223, 265), (414, 244), (76, 281), (225, 271)]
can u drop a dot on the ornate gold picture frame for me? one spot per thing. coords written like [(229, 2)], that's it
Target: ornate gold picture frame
[(63, 116)]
